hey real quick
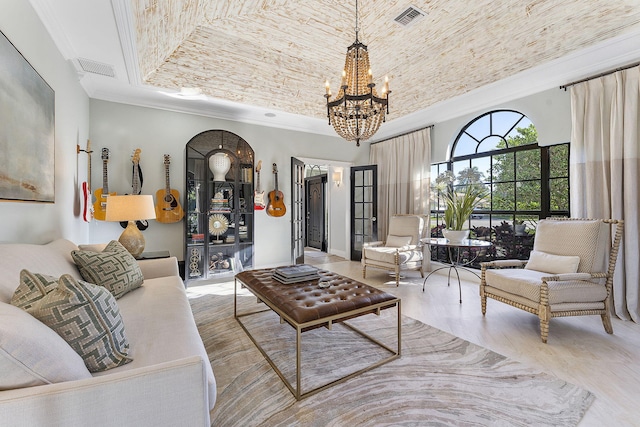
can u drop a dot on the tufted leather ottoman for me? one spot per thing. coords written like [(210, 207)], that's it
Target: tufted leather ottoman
[(305, 306)]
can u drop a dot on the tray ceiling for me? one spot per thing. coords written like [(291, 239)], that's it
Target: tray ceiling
[(278, 53)]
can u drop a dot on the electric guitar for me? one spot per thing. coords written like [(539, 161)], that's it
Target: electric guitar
[(276, 205), (87, 205), (100, 205), (258, 195), (168, 207), (136, 187)]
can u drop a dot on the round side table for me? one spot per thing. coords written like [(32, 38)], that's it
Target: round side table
[(454, 262)]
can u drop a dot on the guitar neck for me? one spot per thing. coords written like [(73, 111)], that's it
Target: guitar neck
[(136, 179), (89, 169), (166, 177), (105, 181)]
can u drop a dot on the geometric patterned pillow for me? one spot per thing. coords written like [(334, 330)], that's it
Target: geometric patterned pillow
[(114, 268), (88, 318), (33, 286)]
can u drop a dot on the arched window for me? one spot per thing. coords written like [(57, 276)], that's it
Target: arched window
[(524, 182)]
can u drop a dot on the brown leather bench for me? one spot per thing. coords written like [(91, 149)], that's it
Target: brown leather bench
[(305, 306), (306, 302)]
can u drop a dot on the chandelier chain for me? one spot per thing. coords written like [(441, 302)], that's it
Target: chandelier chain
[(357, 28)]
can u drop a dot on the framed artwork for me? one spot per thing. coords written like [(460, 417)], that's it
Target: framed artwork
[(27, 130)]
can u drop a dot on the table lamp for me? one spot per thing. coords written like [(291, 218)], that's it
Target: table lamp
[(131, 208)]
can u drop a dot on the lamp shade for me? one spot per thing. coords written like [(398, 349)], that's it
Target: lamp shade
[(130, 208)]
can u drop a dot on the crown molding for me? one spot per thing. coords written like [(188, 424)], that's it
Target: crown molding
[(124, 22)]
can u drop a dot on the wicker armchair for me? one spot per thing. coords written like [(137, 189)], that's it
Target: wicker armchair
[(569, 273), (402, 250)]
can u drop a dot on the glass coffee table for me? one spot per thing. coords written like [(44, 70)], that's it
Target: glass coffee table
[(454, 249)]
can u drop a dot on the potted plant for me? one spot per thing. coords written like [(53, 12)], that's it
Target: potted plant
[(458, 201), (459, 207)]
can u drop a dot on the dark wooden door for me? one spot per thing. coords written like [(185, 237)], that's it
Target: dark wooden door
[(316, 230), (364, 208), (297, 211)]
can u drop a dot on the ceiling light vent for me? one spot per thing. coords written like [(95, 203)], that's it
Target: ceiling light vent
[(89, 66), (409, 16)]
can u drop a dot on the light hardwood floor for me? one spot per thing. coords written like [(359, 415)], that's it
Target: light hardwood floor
[(578, 350)]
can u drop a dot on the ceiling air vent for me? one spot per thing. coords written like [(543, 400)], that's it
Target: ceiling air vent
[(409, 16), (89, 66)]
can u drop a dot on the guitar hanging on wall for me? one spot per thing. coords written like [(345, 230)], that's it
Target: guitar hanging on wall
[(136, 187), (258, 195), (168, 207), (100, 205), (276, 205), (87, 205)]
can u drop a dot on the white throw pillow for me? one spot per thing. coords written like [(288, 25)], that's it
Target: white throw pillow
[(397, 241), (32, 354), (554, 264)]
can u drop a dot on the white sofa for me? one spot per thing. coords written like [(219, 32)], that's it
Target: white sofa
[(169, 382)]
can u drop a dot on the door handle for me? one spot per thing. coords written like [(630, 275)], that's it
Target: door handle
[(373, 219)]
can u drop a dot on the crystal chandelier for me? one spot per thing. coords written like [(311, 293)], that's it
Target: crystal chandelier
[(357, 112)]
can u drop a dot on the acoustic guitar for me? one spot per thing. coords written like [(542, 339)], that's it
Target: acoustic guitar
[(258, 195), (87, 205), (276, 205), (101, 194), (168, 207)]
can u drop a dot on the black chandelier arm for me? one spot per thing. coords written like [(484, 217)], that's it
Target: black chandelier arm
[(358, 116), (356, 45), (365, 97)]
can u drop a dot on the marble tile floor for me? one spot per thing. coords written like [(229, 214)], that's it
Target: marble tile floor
[(578, 350)]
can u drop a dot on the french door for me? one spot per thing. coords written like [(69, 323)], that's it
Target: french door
[(316, 212), (364, 208)]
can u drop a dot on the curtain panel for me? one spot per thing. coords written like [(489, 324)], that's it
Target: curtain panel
[(404, 164), (604, 170)]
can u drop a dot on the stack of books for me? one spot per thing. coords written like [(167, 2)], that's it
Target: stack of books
[(220, 205), (296, 273)]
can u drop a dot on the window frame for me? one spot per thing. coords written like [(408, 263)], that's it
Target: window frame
[(518, 248)]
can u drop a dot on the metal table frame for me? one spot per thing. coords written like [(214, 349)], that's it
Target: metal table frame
[(325, 322), (455, 264)]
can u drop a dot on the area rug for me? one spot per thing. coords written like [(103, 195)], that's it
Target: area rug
[(440, 380)]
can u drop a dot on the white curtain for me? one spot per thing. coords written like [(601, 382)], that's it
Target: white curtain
[(605, 170), (404, 164)]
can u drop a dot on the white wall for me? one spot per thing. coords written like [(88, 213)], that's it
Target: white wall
[(549, 111), (123, 128), (42, 222)]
